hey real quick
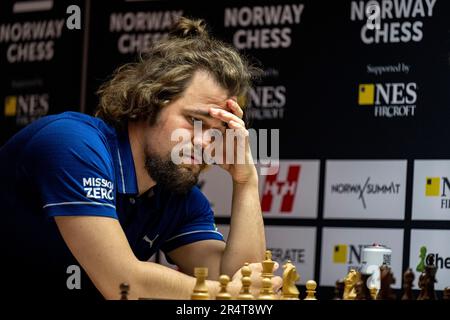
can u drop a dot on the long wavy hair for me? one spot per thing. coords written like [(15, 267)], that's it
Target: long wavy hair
[(140, 90)]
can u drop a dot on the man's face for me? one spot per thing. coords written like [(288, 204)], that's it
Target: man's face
[(202, 94)]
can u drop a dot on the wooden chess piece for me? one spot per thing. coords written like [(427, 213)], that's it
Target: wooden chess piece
[(311, 286), (361, 289), (430, 279), (421, 284), (290, 277), (339, 290), (427, 279), (408, 283), (200, 291), (386, 279), (124, 291), (349, 284), (267, 290), (245, 293), (446, 294), (267, 265), (373, 293), (223, 294)]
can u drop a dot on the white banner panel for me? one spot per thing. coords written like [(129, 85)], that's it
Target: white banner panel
[(342, 248), (429, 245), (297, 244), (290, 193), (293, 192), (365, 189), (431, 190), (217, 186)]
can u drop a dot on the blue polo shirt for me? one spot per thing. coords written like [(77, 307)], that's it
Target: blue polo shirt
[(73, 164)]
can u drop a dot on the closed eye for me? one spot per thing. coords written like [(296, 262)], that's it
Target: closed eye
[(191, 119)]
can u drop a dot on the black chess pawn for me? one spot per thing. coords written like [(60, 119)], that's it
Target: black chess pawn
[(386, 279), (421, 283), (408, 279), (124, 290), (429, 279), (339, 290)]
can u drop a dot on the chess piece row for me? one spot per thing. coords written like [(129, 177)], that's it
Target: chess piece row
[(354, 285), (289, 289)]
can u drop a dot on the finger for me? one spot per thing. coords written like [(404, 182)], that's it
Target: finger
[(277, 283), (235, 108), (276, 266), (225, 116), (256, 267), (238, 127), (237, 140)]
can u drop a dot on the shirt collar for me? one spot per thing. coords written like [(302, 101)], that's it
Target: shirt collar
[(125, 172)]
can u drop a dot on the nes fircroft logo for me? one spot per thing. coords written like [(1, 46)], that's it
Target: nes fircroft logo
[(349, 254), (431, 190), (267, 102), (389, 99), (26, 108), (343, 249), (438, 187)]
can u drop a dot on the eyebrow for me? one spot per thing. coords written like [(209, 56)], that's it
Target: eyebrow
[(206, 115)]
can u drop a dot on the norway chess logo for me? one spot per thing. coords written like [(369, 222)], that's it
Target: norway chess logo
[(280, 194), (426, 258), (437, 187)]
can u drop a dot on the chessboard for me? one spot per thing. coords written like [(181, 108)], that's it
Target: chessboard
[(352, 287)]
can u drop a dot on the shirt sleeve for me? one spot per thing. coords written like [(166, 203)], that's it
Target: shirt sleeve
[(72, 170), (199, 223)]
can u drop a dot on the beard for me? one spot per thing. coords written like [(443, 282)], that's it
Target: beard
[(177, 178)]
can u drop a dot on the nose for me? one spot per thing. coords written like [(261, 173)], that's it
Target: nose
[(203, 140)]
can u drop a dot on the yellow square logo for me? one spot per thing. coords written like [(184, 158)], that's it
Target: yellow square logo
[(340, 253), (432, 188), (366, 94), (10, 106)]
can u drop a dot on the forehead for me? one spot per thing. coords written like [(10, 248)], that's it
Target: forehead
[(204, 91)]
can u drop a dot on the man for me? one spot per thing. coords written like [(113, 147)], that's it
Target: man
[(106, 194)]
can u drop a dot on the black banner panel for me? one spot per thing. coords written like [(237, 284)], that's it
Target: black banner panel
[(40, 61), (121, 31)]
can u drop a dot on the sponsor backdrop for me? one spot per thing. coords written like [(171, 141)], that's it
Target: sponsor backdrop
[(40, 62), (360, 100)]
